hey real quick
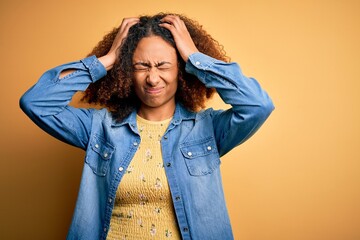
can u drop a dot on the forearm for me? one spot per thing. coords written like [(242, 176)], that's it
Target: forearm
[(108, 61), (53, 92), (46, 103), (233, 87), (251, 105)]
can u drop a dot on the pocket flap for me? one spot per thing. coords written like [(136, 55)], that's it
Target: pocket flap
[(199, 148), (104, 149), (201, 156)]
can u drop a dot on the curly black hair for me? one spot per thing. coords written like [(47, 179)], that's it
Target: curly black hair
[(116, 90)]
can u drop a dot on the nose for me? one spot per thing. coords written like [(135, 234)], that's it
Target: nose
[(152, 77)]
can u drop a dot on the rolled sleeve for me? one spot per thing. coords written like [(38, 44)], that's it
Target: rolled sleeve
[(95, 67)]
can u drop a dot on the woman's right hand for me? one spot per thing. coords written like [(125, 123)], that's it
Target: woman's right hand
[(109, 59)]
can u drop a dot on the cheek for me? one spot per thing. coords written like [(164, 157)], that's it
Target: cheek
[(172, 76), (138, 79), (137, 86), (173, 87), (172, 80)]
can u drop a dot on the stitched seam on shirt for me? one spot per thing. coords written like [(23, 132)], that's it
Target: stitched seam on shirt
[(58, 79)]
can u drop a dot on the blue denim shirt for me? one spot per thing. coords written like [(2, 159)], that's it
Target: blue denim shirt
[(191, 146)]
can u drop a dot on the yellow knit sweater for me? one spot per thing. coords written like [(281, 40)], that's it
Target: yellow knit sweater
[(143, 205)]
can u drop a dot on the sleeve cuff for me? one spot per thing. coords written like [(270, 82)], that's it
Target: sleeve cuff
[(95, 67), (200, 61)]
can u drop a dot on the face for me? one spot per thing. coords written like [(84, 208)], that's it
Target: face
[(155, 74)]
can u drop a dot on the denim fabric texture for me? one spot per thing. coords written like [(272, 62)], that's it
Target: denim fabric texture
[(191, 146)]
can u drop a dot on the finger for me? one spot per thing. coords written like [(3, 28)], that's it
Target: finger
[(167, 25), (131, 23), (126, 21), (172, 20), (123, 31)]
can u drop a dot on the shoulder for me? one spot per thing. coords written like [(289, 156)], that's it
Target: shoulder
[(207, 113), (102, 115), (199, 115)]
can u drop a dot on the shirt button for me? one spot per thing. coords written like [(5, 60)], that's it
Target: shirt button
[(209, 148), (121, 169), (185, 229), (106, 155), (177, 198), (165, 137), (135, 143), (96, 145), (189, 154), (197, 63), (110, 200), (105, 229), (168, 164)]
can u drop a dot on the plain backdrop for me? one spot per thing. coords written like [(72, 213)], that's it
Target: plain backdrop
[(298, 178)]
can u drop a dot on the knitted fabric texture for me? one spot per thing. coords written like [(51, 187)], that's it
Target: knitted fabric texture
[(143, 205)]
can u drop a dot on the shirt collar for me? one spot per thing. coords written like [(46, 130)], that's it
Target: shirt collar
[(181, 113)]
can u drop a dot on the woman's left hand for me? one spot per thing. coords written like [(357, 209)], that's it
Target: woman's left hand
[(183, 40)]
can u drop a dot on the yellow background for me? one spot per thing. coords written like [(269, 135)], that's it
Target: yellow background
[(298, 178)]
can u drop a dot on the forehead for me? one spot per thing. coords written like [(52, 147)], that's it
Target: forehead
[(154, 48)]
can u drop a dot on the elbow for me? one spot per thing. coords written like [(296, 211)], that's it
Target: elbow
[(269, 106), (265, 108), (26, 104)]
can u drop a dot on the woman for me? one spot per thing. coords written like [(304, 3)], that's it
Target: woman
[(152, 156)]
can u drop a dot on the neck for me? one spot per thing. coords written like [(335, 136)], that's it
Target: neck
[(156, 114)]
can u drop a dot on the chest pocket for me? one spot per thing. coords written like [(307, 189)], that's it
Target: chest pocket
[(98, 155), (201, 156)]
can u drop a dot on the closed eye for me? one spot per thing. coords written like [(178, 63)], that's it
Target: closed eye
[(140, 66), (163, 65)]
